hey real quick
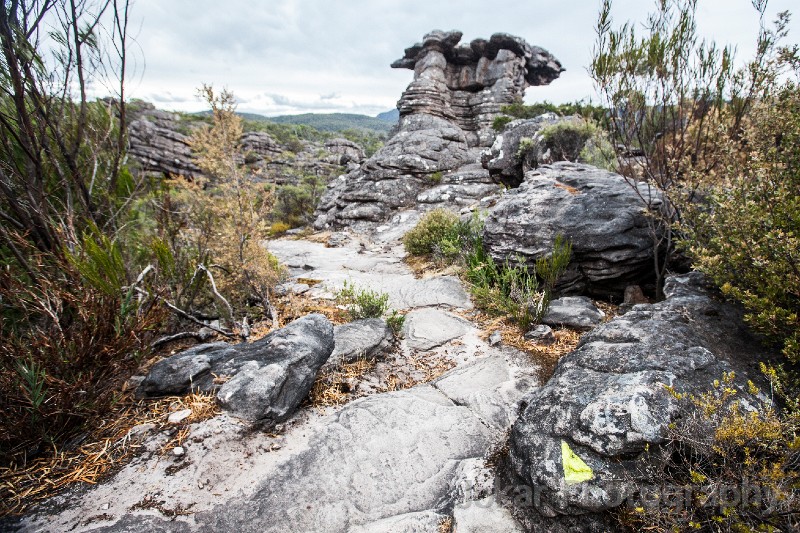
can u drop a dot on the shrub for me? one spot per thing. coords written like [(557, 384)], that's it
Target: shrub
[(731, 468), (295, 204), (512, 289), (566, 139), (362, 303), (395, 322), (437, 231), (277, 228), (746, 237)]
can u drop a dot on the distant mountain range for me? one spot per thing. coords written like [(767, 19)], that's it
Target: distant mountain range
[(334, 121)]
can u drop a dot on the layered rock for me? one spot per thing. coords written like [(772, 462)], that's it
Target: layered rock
[(607, 219), (156, 144), (446, 115), (608, 400), (506, 162), (159, 144), (263, 381)]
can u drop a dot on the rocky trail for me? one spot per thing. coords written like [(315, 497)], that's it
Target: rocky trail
[(408, 460)]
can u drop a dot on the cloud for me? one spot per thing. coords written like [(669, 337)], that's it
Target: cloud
[(320, 55)]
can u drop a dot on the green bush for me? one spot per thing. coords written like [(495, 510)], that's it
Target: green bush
[(735, 468), (362, 303), (567, 138), (437, 231), (295, 204), (747, 236), (519, 110), (511, 288)]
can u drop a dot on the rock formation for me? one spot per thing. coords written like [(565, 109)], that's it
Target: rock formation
[(159, 144), (604, 217), (156, 144), (608, 401), (263, 381), (446, 115)]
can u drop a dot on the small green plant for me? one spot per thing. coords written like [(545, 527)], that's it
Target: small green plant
[(362, 303), (436, 230), (435, 178), (512, 288), (395, 322), (566, 139)]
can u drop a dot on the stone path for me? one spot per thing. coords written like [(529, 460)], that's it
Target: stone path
[(410, 460)]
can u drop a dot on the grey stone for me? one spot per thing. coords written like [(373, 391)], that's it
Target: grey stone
[(576, 312), (179, 416), (541, 334), (420, 522), (482, 516), (361, 339), (268, 378), (445, 113), (428, 328), (490, 387), (604, 217), (391, 455), (608, 398), (495, 338), (504, 160)]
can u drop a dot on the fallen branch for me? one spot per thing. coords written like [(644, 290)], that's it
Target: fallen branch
[(200, 336), (182, 313)]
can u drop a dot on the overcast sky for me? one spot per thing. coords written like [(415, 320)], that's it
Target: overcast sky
[(299, 56)]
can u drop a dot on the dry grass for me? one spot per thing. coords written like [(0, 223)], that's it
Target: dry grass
[(106, 449), (446, 525), (294, 306), (546, 356), (335, 386), (424, 267)]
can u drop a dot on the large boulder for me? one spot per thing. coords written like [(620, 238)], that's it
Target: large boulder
[(608, 403), (446, 115), (262, 381), (505, 161), (610, 222)]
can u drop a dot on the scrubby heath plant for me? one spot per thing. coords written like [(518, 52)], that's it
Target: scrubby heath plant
[(214, 227), (365, 303), (438, 233), (519, 110), (678, 99), (732, 467), (69, 330), (512, 288), (294, 205), (509, 289), (746, 234)]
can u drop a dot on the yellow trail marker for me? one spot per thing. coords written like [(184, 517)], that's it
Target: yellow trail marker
[(575, 470)]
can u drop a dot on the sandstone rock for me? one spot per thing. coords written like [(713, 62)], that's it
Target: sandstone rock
[(576, 312), (428, 328), (541, 334), (504, 160), (157, 146), (607, 399), (366, 338), (264, 381), (482, 516), (601, 214), (445, 114), (343, 152), (491, 387)]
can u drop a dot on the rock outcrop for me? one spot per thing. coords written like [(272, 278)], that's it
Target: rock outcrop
[(604, 217), (608, 401), (262, 381), (159, 144), (505, 161), (446, 115), (156, 144)]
